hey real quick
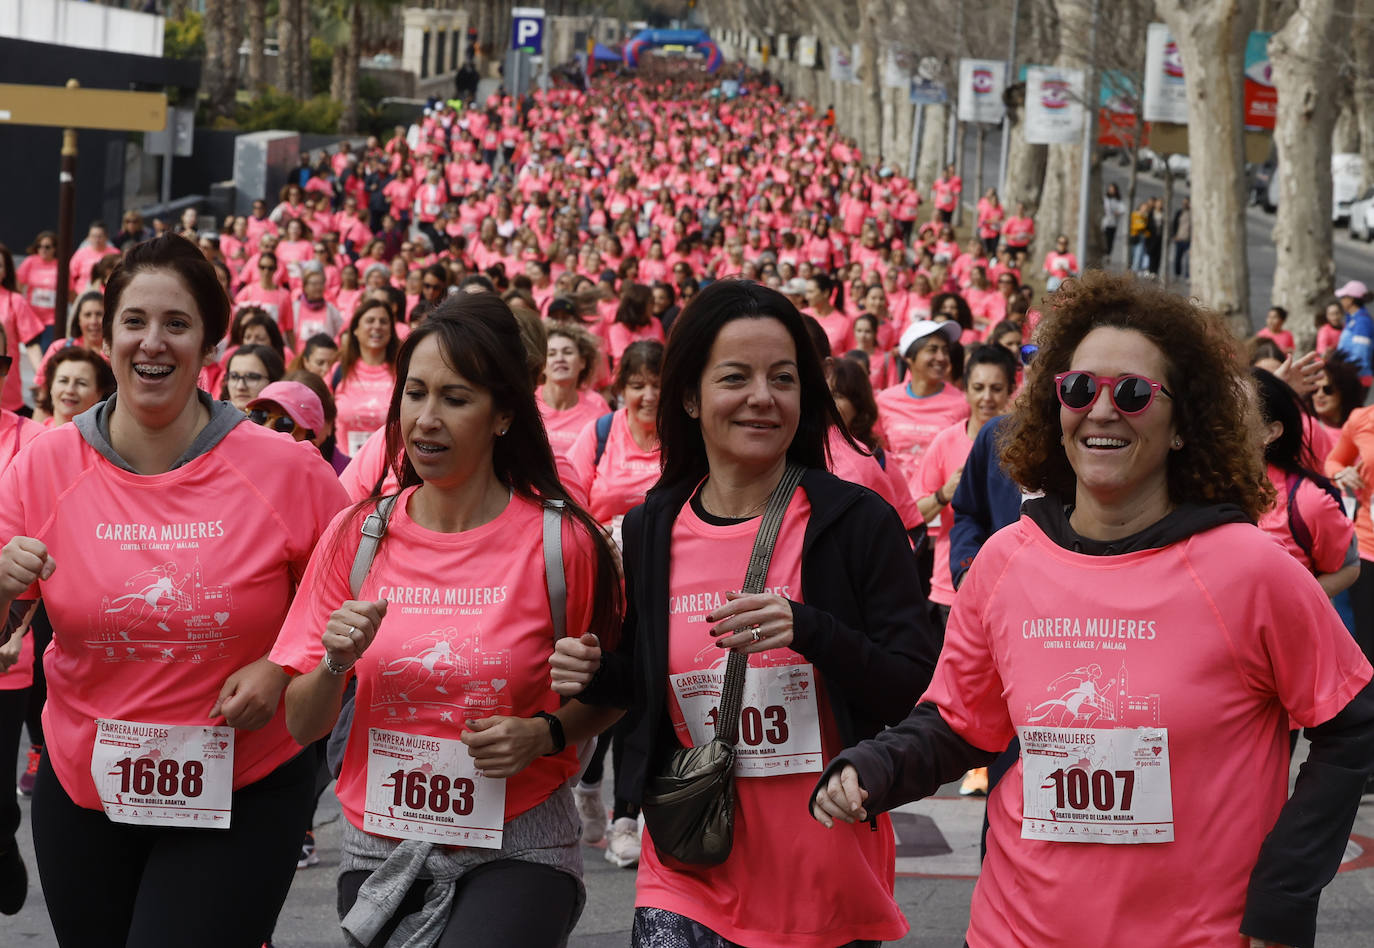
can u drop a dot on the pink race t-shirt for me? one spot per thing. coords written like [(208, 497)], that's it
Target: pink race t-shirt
[(1329, 530), (274, 302), (1180, 639), (165, 584), (362, 400), (848, 871), (83, 262), (563, 427), (16, 432), (912, 423), (946, 454), (863, 469), (839, 330), (623, 475), (619, 336), (40, 280), (467, 634), (21, 324)]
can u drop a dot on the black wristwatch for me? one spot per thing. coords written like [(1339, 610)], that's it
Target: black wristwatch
[(555, 732)]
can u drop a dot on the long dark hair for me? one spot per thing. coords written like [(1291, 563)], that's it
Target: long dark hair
[(684, 361), (480, 339), (1291, 452)]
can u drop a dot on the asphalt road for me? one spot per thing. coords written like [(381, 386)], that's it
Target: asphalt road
[(1354, 259), (937, 864)]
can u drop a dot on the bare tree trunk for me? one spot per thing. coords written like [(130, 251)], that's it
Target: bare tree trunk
[(1026, 162), (303, 31), (1345, 134), (934, 135), (1301, 53), (1363, 38), (338, 63), (257, 41), (229, 55), (288, 65), (871, 80), (348, 119), (1211, 37), (212, 75)]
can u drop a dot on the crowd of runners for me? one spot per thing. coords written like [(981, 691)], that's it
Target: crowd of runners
[(436, 479)]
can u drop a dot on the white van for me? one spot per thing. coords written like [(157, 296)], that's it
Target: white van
[(1346, 168)]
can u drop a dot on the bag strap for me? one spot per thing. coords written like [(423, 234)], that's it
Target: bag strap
[(732, 694), (374, 528), (553, 567)]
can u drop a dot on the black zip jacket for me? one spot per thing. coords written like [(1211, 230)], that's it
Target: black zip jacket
[(1301, 853), (863, 625)]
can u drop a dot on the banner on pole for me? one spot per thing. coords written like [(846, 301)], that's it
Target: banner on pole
[(806, 52), (981, 83), (1261, 97), (1166, 91), (841, 64), (1054, 105)]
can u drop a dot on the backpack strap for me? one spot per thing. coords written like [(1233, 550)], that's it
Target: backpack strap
[(553, 566), (603, 432), (374, 528), (1297, 526)]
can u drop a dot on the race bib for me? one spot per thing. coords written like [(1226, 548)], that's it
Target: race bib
[(43, 299), (432, 209), (1096, 785), (356, 440), (779, 727), (164, 774), (427, 788)]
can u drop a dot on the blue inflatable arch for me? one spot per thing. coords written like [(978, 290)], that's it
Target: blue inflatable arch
[(694, 39)]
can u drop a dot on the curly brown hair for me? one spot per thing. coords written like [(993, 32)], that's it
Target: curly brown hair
[(1222, 458)]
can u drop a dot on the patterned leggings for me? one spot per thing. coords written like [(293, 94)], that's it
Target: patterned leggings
[(659, 928)]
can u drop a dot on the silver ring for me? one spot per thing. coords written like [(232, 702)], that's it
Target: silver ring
[(756, 635), (352, 631)]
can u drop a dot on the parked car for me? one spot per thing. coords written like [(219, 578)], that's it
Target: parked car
[(1346, 168), (1362, 217)]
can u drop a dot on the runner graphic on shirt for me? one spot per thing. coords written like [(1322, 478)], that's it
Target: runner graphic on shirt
[(448, 668), (1084, 702), (145, 613)]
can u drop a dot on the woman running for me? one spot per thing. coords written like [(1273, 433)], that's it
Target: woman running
[(366, 373), (250, 369), (169, 774), (565, 400), (74, 379), (915, 411), (1119, 628), (454, 780), (744, 396)]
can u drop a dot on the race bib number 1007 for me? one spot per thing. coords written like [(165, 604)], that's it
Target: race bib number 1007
[(1096, 785), (164, 774)]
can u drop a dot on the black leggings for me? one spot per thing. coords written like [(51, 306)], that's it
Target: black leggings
[(614, 740), (501, 903), (112, 885), (41, 630), (1362, 605), (12, 706)]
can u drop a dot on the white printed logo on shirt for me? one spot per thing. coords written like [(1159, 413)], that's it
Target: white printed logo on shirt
[(164, 616), (448, 669)]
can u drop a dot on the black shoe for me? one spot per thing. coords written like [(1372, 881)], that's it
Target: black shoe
[(14, 881)]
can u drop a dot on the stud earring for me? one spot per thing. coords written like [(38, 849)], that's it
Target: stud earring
[(1178, 443)]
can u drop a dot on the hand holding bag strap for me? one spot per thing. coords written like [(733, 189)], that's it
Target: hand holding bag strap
[(732, 694)]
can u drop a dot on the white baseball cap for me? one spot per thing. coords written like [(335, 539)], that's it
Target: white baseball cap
[(921, 328)]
